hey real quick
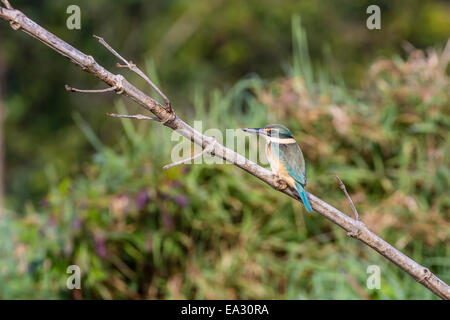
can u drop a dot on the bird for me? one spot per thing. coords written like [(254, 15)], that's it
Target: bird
[(285, 157)]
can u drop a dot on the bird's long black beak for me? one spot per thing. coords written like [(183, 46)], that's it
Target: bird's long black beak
[(253, 130)]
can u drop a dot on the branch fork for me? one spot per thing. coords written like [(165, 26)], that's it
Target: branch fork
[(359, 225), (119, 87), (130, 65)]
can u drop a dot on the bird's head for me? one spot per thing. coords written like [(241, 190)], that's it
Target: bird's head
[(272, 132)]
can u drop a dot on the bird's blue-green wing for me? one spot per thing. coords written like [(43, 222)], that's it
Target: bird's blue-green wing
[(292, 158)]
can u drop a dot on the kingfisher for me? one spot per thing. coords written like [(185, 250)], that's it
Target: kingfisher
[(285, 157)]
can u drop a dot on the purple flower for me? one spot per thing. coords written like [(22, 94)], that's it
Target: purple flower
[(44, 203), (149, 244), (167, 220), (185, 169), (100, 246), (68, 248), (142, 199), (164, 196), (82, 203), (181, 200), (76, 224), (176, 184), (53, 221)]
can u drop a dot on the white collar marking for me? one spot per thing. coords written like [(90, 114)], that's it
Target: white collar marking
[(281, 140)]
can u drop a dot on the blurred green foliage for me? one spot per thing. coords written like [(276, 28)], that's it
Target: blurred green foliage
[(212, 231), (216, 232), (193, 43)]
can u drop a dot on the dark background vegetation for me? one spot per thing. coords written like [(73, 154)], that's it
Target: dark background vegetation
[(84, 189)]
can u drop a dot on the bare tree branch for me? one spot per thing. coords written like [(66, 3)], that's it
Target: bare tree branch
[(132, 116), (7, 5), (130, 65), (342, 187), (421, 274), (69, 88), (208, 149)]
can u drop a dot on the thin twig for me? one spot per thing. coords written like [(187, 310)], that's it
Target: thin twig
[(7, 5), (417, 271), (133, 116), (130, 65), (342, 187), (206, 150), (71, 89)]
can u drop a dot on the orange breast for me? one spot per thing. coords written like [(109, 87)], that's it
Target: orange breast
[(278, 167)]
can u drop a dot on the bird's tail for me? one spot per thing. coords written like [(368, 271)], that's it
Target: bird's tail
[(302, 194)]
